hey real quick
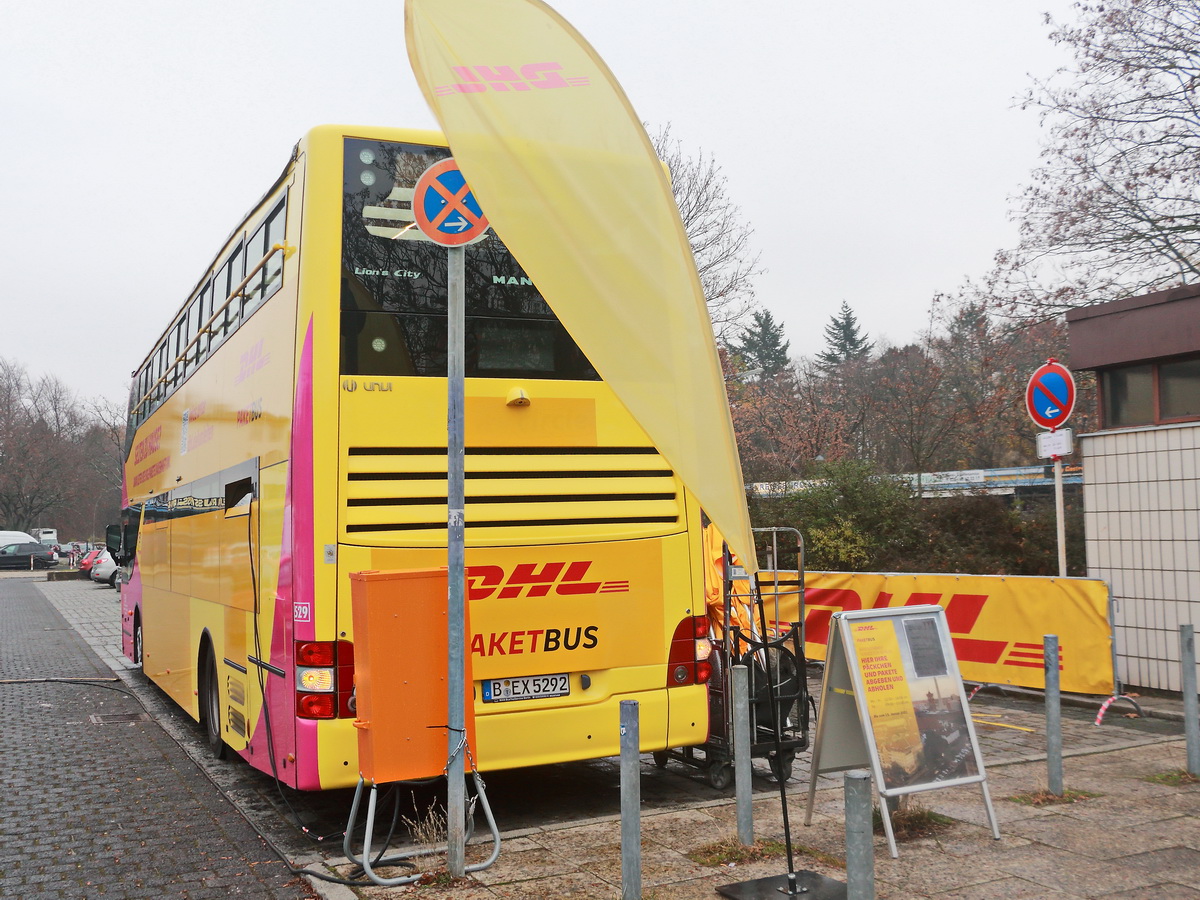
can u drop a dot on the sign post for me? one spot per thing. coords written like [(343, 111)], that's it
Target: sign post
[(448, 214), (1050, 399)]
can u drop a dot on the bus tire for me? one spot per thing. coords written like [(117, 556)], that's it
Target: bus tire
[(210, 704)]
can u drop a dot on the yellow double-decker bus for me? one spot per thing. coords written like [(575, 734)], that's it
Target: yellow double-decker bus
[(289, 428)]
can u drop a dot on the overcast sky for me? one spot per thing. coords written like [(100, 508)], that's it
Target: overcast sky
[(874, 146)]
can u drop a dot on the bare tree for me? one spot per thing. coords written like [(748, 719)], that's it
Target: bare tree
[(720, 238), (1113, 209), (59, 466)]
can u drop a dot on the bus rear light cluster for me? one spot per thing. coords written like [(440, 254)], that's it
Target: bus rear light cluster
[(689, 662), (324, 679)]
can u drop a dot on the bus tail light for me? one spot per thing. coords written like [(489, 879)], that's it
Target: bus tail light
[(689, 662), (324, 679), (315, 706)]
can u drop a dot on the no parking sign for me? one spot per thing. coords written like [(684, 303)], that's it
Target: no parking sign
[(1050, 395), (445, 209)]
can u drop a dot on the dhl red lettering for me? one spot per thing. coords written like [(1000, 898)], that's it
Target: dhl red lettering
[(575, 573), (514, 643), (831, 600), (527, 575), (147, 446), (152, 472), (962, 612), (477, 644), (527, 579), (482, 581), (883, 601), (1031, 657), (973, 650), (921, 599), (533, 636), (496, 643)]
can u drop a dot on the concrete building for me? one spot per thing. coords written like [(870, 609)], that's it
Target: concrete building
[(1141, 490)]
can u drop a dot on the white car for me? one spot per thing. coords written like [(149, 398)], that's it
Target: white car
[(105, 569)]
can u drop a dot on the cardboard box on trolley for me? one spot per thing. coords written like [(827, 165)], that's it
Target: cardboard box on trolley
[(400, 654)]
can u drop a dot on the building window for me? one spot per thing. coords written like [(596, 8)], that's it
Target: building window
[(1179, 389), (1151, 393)]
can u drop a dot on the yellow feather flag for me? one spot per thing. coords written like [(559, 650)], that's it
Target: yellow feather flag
[(565, 173)]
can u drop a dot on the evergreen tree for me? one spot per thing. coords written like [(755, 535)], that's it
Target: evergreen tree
[(845, 343), (763, 345)]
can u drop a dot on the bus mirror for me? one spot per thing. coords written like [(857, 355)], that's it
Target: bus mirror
[(112, 540)]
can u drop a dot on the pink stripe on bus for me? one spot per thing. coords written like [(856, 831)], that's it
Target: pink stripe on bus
[(300, 503)]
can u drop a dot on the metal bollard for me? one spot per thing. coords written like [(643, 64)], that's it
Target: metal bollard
[(860, 839), (631, 803), (1191, 706), (1054, 745), (742, 771)]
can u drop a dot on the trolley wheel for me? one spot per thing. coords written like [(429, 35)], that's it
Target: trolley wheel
[(210, 706), (720, 774), (660, 758), (781, 764)]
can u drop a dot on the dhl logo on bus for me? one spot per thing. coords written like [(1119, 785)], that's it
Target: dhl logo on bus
[(478, 79), (962, 615), (528, 580)]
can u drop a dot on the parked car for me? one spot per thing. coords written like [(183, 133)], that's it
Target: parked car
[(104, 569), (27, 556), (90, 557)]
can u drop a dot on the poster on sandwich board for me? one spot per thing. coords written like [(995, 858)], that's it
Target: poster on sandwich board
[(892, 701)]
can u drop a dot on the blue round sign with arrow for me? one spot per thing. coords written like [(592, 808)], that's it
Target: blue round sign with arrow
[(1050, 395), (445, 209)]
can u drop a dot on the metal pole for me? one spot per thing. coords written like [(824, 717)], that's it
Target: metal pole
[(1054, 745), (455, 552), (631, 803), (743, 788), (1060, 517), (860, 840), (1191, 708)]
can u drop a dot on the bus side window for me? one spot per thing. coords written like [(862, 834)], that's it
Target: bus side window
[(220, 293), (256, 249), (177, 347), (273, 272), (193, 329), (238, 495), (206, 309), (160, 368), (237, 271)]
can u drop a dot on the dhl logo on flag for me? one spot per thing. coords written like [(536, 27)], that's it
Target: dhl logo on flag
[(996, 622)]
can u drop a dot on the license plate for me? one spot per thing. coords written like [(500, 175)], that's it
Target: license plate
[(527, 687)]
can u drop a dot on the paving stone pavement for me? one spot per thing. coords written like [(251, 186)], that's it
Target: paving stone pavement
[(1133, 839), (98, 801)]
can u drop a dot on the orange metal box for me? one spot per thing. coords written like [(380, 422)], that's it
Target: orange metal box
[(400, 663)]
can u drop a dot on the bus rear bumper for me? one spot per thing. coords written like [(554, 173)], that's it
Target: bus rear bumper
[(666, 718)]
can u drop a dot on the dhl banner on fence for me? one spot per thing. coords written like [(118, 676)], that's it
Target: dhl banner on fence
[(996, 622)]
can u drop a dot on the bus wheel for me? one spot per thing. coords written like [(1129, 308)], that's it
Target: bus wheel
[(137, 639), (210, 706), (661, 757)]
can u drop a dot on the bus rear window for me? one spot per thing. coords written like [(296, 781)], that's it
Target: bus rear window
[(393, 294)]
